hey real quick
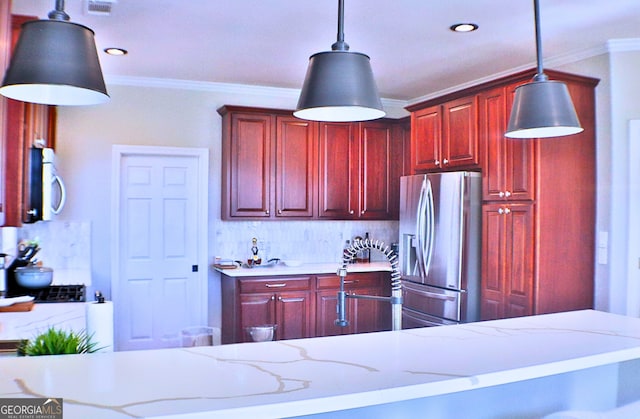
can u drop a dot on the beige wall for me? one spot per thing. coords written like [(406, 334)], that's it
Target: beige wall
[(618, 281)]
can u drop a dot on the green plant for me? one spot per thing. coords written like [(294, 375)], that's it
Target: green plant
[(58, 342)]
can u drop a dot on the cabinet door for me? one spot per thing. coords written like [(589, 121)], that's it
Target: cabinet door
[(375, 176), (400, 163), (426, 138), (366, 313), (294, 314), (508, 255), (520, 165), (363, 315), (295, 158), (338, 183), (249, 168), (492, 110), (255, 310), (326, 314), (460, 133), (508, 164)]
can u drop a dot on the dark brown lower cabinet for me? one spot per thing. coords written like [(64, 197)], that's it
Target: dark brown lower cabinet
[(363, 315), (302, 306), (508, 258)]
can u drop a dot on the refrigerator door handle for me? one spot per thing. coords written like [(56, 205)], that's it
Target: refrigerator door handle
[(421, 227), (429, 214)]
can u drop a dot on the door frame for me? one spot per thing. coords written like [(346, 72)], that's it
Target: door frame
[(118, 152)]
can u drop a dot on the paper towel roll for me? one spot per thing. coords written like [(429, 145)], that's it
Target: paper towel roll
[(100, 325)]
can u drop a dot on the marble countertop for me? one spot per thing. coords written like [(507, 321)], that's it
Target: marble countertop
[(305, 268), (28, 324), (308, 376)]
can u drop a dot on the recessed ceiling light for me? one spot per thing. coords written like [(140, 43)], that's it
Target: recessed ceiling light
[(464, 27), (116, 51)]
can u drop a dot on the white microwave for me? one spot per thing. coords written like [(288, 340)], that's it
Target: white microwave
[(47, 194)]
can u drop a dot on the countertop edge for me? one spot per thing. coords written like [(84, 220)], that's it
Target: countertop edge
[(305, 269)]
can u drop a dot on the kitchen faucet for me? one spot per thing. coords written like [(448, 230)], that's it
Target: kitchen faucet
[(396, 284)]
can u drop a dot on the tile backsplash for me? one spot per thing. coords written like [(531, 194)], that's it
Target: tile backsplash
[(65, 246), (318, 241)]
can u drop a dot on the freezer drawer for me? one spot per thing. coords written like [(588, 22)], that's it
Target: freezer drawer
[(434, 301), (413, 319)]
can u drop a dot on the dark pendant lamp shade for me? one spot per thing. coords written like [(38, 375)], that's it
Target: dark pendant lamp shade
[(339, 85), (542, 108), (55, 62)]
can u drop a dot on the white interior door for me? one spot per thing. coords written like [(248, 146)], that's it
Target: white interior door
[(161, 266)]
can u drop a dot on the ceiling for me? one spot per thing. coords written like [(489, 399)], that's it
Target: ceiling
[(413, 52)]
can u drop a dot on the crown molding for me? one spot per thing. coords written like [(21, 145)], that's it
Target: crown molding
[(554, 61), (623, 45), (230, 88), (226, 88), (613, 45)]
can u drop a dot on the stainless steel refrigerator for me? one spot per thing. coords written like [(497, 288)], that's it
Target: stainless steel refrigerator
[(439, 248)]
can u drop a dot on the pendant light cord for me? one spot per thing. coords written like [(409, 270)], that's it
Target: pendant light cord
[(58, 13), (340, 45), (540, 76)]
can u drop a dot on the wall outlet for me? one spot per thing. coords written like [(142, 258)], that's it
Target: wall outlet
[(603, 247)]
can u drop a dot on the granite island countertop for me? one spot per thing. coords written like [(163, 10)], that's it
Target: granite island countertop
[(331, 374)]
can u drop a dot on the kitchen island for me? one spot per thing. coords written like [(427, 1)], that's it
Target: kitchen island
[(523, 367)]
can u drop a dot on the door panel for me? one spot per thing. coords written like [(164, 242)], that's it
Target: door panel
[(295, 167), (375, 152), (294, 315), (426, 133), (493, 124), (250, 165), (338, 148), (520, 244), (460, 133), (160, 292), (326, 314), (255, 310)]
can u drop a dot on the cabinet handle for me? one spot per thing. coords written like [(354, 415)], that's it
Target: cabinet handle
[(354, 281), (267, 212), (437, 162), (351, 212), (500, 210), (507, 194), (273, 297), (279, 211), (283, 284), (507, 210), (279, 298), (362, 212), (445, 161), (501, 194)]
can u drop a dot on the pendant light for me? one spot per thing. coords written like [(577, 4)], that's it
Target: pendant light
[(339, 85), (542, 108), (55, 62)]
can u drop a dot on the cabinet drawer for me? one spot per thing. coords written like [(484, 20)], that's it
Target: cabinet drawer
[(352, 280), (273, 284)]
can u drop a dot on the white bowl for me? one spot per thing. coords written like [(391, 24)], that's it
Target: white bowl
[(293, 262)]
